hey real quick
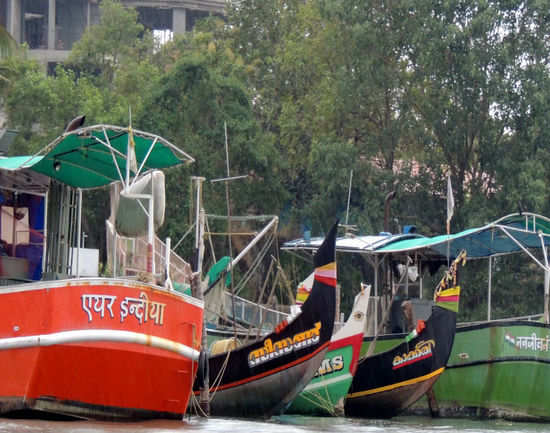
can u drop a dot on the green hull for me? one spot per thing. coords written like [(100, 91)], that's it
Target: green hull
[(325, 394), (496, 370)]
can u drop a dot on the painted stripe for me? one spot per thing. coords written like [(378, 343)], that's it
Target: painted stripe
[(397, 385), (412, 361), (453, 291), (329, 273), (302, 297), (513, 359), (345, 341), (328, 281), (447, 299), (451, 306), (270, 372), (328, 267), (98, 335), (323, 383)]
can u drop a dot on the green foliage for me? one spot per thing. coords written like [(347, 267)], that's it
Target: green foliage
[(8, 46), (401, 93), (118, 41), (201, 92)]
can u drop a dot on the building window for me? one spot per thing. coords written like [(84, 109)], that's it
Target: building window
[(4, 13), (192, 17), (35, 23), (71, 18), (155, 18)]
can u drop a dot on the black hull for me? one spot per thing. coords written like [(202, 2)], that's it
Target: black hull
[(385, 384), (269, 395), (262, 378)]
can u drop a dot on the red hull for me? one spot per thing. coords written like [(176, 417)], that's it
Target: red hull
[(128, 353)]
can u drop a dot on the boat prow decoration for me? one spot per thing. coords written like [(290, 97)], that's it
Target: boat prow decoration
[(387, 383), (262, 378)]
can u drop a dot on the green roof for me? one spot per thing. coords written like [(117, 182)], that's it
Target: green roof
[(97, 155), (507, 235), (18, 162)]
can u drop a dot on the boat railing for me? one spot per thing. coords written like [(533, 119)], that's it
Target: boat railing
[(251, 313), (130, 260), (529, 318)]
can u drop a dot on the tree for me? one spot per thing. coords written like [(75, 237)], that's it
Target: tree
[(202, 89), (118, 42)]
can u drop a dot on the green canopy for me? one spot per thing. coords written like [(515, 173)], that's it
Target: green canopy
[(507, 235), (511, 234), (97, 155)]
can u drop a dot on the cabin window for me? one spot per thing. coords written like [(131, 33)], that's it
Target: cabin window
[(15, 228), (21, 236)]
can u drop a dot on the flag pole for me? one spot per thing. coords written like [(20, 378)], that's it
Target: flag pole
[(450, 212)]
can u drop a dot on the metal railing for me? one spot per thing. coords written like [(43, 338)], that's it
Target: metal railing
[(252, 314)]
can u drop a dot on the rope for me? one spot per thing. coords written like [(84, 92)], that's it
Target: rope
[(218, 379), (255, 265), (317, 399)]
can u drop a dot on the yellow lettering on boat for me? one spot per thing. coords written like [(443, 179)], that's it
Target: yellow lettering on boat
[(422, 350), (272, 350)]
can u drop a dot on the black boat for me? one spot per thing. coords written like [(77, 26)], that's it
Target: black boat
[(388, 382), (262, 378)]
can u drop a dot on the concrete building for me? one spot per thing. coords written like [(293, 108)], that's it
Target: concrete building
[(51, 27)]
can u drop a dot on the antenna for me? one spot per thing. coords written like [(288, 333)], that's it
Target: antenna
[(227, 179), (349, 228), (349, 195)]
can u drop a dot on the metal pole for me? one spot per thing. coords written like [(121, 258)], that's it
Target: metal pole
[(229, 229), (349, 195), (78, 233), (151, 236), (376, 264), (546, 279), (489, 288), (546, 296), (168, 281), (204, 396), (45, 234)]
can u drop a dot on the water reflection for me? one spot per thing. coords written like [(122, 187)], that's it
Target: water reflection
[(285, 423)]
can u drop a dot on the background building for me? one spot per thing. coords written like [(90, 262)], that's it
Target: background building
[(51, 27)]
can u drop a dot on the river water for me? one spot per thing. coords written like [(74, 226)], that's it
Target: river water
[(281, 424)]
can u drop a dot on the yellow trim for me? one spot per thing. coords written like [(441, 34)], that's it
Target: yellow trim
[(328, 267), (397, 385), (453, 291)]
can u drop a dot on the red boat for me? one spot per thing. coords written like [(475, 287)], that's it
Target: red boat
[(72, 343)]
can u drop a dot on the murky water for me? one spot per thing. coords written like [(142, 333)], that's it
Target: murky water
[(290, 424)]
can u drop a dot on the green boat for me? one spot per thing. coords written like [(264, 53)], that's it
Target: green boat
[(326, 392), (497, 368)]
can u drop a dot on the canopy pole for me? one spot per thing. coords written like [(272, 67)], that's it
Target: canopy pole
[(78, 233), (151, 237), (546, 296), (45, 237), (546, 278), (376, 265), (489, 288)]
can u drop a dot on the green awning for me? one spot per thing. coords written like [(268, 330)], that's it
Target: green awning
[(18, 162), (97, 155), (507, 235)]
